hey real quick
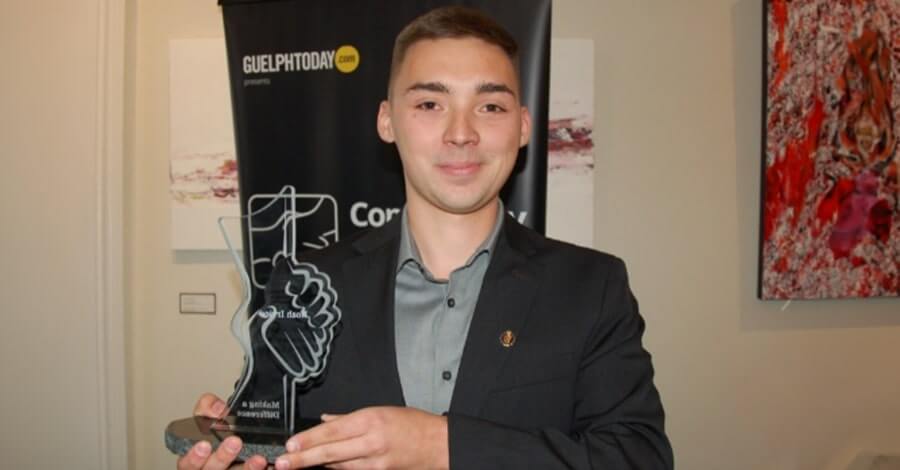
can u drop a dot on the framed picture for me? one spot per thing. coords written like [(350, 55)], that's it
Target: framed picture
[(830, 223)]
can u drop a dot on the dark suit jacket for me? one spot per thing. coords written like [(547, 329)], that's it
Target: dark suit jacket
[(575, 390)]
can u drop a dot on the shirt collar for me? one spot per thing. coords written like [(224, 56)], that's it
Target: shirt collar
[(410, 253)]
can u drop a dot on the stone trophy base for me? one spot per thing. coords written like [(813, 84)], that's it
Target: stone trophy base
[(182, 434)]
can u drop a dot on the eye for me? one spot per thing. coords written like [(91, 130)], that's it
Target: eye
[(427, 105), (493, 108)]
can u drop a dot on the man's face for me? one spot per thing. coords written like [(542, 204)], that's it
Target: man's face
[(455, 115)]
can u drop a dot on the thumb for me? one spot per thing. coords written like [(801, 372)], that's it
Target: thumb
[(329, 417)]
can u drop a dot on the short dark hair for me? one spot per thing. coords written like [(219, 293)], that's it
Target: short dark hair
[(452, 22)]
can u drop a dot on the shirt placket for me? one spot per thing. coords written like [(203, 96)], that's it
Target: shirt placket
[(443, 374)]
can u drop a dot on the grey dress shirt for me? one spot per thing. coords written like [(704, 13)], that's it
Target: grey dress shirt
[(431, 320)]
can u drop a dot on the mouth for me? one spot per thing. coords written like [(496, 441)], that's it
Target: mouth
[(459, 169)]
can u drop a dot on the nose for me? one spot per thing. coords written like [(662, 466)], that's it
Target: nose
[(460, 131)]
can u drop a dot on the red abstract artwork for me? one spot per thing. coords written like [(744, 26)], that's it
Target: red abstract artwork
[(830, 216)]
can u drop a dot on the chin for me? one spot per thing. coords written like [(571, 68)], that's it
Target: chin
[(463, 207)]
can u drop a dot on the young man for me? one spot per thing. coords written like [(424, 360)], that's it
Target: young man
[(468, 340)]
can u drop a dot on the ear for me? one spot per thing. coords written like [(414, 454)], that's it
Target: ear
[(385, 128), (525, 135)]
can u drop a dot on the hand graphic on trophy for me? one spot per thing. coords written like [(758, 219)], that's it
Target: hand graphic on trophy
[(289, 341), (286, 344)]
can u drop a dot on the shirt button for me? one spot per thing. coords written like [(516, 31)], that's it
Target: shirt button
[(451, 303), (446, 375)]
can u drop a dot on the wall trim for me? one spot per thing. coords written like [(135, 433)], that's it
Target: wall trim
[(110, 321)]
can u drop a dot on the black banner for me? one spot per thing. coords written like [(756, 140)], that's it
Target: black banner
[(307, 77)]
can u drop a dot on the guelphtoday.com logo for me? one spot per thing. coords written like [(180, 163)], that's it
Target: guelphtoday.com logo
[(344, 59)]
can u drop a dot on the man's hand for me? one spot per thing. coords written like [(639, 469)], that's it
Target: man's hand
[(377, 437), (201, 457)]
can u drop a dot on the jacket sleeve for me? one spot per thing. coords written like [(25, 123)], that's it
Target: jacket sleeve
[(618, 419)]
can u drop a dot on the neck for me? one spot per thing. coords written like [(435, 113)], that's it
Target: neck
[(445, 240)]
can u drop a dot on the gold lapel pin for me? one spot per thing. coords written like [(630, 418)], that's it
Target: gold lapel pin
[(507, 338)]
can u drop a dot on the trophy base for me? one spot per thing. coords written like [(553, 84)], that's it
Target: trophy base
[(182, 434)]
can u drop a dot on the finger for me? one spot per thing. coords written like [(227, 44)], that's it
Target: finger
[(223, 456), (338, 429), (355, 464), (257, 462), (210, 406), (329, 453), (196, 457)]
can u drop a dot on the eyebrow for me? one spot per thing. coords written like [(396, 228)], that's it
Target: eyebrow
[(494, 88), (482, 88), (436, 87)]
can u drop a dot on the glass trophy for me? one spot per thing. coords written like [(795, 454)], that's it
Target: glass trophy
[(286, 342)]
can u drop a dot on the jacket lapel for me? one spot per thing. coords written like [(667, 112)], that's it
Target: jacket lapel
[(503, 304), (370, 296)]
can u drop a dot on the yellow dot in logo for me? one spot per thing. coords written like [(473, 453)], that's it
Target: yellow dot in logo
[(346, 59)]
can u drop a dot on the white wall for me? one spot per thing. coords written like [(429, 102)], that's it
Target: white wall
[(745, 384), (172, 358), (60, 235)]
